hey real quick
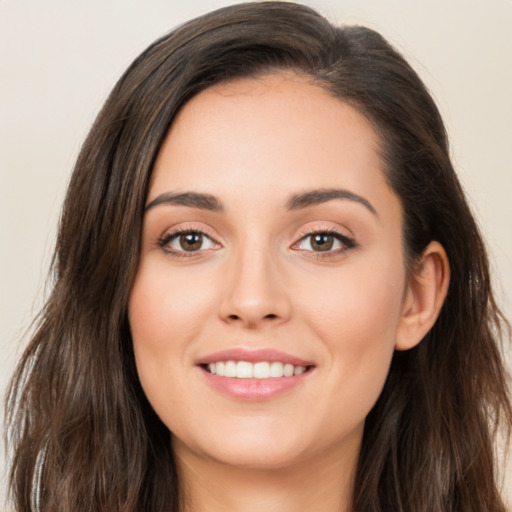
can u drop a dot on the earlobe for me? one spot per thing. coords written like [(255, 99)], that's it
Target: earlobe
[(423, 297)]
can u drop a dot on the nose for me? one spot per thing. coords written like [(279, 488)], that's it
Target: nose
[(254, 292)]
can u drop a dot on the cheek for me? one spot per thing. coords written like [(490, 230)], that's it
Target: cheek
[(165, 315), (357, 321), (165, 307), (361, 302)]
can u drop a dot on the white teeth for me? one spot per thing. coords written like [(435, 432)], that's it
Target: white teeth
[(230, 369), (276, 369), (288, 370), (260, 370), (244, 370)]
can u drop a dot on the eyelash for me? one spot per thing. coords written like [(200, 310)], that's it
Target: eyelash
[(167, 238), (347, 242)]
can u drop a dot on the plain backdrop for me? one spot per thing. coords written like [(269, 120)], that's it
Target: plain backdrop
[(60, 58)]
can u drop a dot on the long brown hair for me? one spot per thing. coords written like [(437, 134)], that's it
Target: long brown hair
[(75, 408)]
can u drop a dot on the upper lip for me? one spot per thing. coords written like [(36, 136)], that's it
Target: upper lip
[(253, 356)]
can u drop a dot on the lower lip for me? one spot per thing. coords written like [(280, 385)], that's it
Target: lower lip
[(254, 389)]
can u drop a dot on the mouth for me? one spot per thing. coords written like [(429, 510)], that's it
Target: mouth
[(242, 363), (255, 375), (258, 370)]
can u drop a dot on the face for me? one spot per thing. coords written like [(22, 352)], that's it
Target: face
[(270, 289)]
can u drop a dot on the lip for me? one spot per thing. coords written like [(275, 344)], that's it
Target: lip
[(253, 390), (253, 356)]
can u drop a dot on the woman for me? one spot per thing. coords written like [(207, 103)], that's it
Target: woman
[(266, 270)]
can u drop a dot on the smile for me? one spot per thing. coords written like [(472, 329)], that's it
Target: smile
[(255, 375), (258, 370)]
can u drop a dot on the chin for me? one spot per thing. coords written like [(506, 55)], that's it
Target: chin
[(268, 458), (246, 448)]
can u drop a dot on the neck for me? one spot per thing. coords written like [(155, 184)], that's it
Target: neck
[(323, 483)]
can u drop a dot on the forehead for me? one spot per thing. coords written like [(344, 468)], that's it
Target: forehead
[(265, 136)]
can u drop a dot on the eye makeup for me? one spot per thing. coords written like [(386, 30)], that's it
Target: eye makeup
[(192, 241)]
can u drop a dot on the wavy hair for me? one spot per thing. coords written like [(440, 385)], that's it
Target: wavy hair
[(78, 421)]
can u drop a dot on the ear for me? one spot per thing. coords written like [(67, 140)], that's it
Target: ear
[(423, 297)]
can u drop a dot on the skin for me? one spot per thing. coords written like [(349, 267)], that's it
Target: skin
[(258, 282)]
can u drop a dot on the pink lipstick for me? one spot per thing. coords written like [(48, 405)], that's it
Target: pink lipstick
[(254, 375)]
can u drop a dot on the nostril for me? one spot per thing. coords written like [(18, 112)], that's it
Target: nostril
[(270, 316)]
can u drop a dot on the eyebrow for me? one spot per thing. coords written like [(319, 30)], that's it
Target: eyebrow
[(319, 196), (191, 199), (296, 202)]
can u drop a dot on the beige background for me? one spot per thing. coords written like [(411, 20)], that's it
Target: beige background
[(60, 58)]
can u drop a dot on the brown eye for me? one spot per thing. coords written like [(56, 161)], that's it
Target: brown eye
[(186, 242), (191, 241), (325, 242), (322, 242)]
